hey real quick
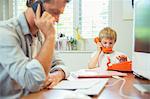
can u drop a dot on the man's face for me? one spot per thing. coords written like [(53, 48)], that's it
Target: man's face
[(55, 8)]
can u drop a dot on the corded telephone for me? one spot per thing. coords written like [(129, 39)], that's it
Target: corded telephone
[(123, 66)]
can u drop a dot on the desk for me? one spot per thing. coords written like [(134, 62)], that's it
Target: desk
[(108, 92)]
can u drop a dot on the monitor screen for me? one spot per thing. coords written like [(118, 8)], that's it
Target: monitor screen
[(142, 26)]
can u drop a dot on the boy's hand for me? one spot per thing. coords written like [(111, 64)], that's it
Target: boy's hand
[(99, 46), (45, 23), (122, 58)]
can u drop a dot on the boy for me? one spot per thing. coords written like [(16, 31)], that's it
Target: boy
[(107, 38)]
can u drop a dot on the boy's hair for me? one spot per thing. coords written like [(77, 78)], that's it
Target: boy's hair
[(109, 33)]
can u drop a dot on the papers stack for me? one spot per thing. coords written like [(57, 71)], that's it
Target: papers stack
[(95, 73), (77, 84)]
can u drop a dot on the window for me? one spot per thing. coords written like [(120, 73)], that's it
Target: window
[(6, 9), (88, 15), (95, 16), (18, 6), (65, 25)]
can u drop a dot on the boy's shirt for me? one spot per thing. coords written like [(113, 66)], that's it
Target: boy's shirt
[(104, 59)]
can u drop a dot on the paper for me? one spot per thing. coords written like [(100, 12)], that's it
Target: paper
[(96, 89), (96, 73), (77, 84)]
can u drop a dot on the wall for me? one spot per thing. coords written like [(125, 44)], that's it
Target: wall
[(75, 60), (121, 25), (124, 27)]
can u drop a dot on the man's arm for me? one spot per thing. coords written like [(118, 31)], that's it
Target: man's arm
[(46, 53), (57, 73), (29, 74), (45, 24)]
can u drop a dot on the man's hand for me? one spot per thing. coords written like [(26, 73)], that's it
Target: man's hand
[(45, 23), (54, 78)]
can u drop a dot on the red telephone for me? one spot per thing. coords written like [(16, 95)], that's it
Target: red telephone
[(123, 66), (105, 50)]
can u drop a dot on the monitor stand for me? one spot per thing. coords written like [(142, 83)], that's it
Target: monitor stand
[(142, 87)]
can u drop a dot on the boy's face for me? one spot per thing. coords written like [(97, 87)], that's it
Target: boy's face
[(107, 43)]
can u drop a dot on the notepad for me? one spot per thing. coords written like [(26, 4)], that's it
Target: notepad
[(96, 89), (77, 84), (95, 73)]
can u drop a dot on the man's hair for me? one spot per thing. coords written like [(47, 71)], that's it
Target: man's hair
[(30, 2), (109, 33)]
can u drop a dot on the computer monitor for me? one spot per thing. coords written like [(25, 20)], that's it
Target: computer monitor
[(141, 40)]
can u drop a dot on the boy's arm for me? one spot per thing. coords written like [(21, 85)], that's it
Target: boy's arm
[(94, 59), (92, 63)]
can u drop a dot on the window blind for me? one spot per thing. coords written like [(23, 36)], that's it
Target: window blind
[(95, 16), (18, 7)]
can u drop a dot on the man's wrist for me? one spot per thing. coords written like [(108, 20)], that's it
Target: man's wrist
[(60, 72)]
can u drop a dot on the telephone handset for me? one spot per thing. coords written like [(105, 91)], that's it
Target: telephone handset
[(105, 50), (35, 5)]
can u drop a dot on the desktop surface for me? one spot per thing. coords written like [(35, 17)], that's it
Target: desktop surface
[(128, 89), (111, 92)]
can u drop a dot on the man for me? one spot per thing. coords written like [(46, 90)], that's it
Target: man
[(27, 59)]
